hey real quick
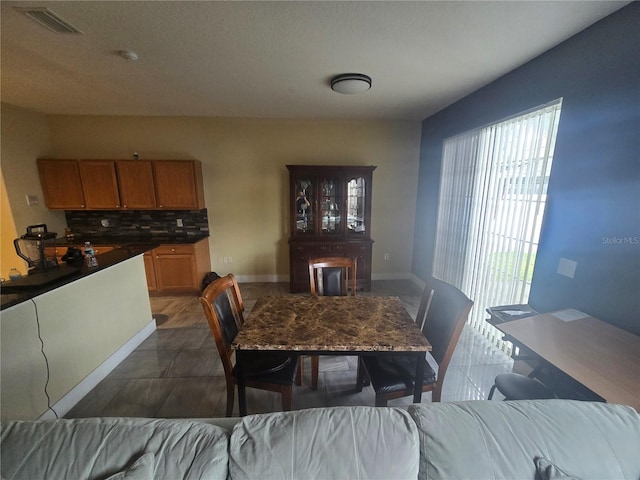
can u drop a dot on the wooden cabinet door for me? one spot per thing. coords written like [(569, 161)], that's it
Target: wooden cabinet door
[(178, 184), (150, 271), (135, 182), (100, 184), (175, 272), (176, 268), (299, 266), (362, 253), (61, 184)]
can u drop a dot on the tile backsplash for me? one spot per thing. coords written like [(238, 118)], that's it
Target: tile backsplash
[(113, 223)]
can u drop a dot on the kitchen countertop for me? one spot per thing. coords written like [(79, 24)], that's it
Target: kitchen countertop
[(105, 260), (125, 240)]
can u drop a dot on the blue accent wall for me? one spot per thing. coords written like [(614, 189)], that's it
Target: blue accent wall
[(593, 205)]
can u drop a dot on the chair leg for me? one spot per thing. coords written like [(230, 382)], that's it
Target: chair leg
[(436, 393), (366, 381), (230, 398), (300, 371), (287, 398), (315, 366), (381, 401), (361, 374)]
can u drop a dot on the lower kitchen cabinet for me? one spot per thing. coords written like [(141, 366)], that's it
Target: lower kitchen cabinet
[(150, 271), (177, 268)]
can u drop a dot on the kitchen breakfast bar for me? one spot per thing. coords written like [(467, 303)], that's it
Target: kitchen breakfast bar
[(85, 323)]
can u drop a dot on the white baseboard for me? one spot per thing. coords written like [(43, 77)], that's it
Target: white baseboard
[(262, 278), (285, 278), (77, 393), (417, 280)]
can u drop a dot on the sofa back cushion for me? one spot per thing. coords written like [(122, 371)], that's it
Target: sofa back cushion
[(339, 442), (97, 448), (502, 440)]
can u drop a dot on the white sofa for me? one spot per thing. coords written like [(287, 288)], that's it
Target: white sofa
[(477, 440)]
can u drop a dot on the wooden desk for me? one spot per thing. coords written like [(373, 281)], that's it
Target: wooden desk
[(603, 358), (330, 325)]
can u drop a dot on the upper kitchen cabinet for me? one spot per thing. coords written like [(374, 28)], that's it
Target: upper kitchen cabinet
[(135, 179), (99, 184), (61, 184), (122, 184), (178, 184)]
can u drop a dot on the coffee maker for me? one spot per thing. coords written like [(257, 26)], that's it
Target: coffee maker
[(31, 247)]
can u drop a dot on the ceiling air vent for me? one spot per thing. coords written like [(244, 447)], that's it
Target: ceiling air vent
[(47, 18)]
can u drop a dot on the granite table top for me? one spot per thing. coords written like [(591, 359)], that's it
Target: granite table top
[(331, 324)]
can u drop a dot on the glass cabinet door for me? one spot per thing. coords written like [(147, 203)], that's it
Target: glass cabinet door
[(330, 206), (356, 218), (305, 221)]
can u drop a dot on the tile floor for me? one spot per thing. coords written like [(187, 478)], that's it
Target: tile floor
[(176, 372)]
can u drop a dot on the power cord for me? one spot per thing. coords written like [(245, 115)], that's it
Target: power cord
[(46, 360)]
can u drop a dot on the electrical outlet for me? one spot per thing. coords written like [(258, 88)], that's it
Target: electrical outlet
[(104, 222), (567, 267), (386, 257), (179, 222), (32, 200)]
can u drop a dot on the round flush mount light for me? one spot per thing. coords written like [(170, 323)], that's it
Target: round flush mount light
[(128, 55), (350, 83)]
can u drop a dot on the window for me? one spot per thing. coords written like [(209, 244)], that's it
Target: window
[(493, 189)]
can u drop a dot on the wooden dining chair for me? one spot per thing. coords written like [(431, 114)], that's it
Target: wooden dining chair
[(271, 371), (329, 276), (442, 314)]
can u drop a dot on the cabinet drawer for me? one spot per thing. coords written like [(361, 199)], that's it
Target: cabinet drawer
[(174, 250)]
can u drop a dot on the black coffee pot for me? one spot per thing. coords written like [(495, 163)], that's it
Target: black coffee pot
[(73, 256)]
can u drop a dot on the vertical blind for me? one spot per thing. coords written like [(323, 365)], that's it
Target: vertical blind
[(493, 190)]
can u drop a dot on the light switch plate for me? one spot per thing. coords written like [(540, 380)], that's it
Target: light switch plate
[(32, 200), (567, 267)]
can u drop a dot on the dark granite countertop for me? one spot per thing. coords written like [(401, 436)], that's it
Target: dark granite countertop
[(124, 240), (13, 296)]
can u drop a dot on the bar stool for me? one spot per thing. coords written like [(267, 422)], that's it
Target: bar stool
[(515, 386)]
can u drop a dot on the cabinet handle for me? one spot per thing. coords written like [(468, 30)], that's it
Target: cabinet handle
[(82, 205), (161, 206), (124, 206), (173, 250), (117, 206), (157, 256)]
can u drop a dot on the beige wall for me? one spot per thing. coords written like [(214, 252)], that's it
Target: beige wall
[(8, 257), (81, 327), (25, 137), (246, 181)]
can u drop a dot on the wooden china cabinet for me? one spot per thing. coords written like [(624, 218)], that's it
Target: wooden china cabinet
[(330, 212)]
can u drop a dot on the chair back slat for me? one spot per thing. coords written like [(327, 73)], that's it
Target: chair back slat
[(332, 276)]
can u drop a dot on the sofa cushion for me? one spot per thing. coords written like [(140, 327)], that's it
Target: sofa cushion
[(500, 440), (548, 471), (141, 469), (331, 443), (96, 448)]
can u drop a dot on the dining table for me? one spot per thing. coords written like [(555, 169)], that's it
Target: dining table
[(330, 325)]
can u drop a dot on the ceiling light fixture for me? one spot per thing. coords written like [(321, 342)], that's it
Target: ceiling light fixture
[(128, 55), (350, 83)]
